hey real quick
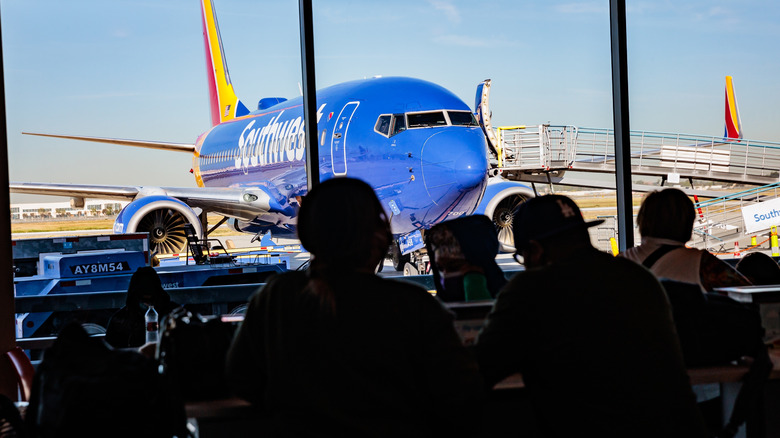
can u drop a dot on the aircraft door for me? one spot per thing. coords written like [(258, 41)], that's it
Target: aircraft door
[(338, 140)]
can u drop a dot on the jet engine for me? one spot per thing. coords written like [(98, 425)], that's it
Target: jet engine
[(499, 202), (163, 218)]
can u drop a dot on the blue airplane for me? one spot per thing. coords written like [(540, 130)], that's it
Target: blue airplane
[(417, 144)]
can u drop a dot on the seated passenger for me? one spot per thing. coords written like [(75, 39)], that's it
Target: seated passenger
[(665, 221), (339, 351), (591, 334), (463, 259), (759, 269), (127, 327)]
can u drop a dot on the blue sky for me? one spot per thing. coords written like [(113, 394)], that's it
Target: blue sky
[(135, 69)]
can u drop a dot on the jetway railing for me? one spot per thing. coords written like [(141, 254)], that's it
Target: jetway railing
[(720, 220), (540, 148), (719, 223), (685, 154), (536, 147)]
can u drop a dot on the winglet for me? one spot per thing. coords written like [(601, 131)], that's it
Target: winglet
[(733, 127), (223, 101)]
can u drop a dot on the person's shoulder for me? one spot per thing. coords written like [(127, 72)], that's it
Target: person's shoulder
[(635, 254), (120, 315), (626, 266), (521, 282), (284, 281), (692, 250), (390, 285), (289, 276)]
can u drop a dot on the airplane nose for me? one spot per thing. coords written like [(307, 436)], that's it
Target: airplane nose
[(454, 162)]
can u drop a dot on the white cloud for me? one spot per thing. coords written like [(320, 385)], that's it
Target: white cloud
[(450, 11), (714, 12), (120, 33)]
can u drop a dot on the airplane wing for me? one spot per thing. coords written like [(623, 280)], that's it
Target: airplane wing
[(75, 190), (161, 145), (241, 203)]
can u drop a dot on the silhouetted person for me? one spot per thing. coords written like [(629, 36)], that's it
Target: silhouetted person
[(463, 259), (759, 269), (665, 221), (591, 334), (127, 327), (339, 351)]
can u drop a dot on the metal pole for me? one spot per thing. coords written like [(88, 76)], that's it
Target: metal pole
[(309, 93), (7, 319), (625, 212)]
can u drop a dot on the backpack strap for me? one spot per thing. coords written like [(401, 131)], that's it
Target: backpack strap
[(657, 254)]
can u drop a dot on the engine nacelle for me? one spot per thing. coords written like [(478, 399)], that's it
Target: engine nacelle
[(163, 218), (499, 202)]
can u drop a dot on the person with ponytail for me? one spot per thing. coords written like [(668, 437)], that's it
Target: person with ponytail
[(337, 350)]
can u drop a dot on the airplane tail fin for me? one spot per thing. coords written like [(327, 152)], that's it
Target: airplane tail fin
[(223, 101), (733, 127)]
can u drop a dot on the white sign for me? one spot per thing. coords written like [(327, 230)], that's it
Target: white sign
[(761, 216)]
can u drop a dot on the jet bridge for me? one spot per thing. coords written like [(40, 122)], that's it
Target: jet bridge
[(543, 153), (548, 154)]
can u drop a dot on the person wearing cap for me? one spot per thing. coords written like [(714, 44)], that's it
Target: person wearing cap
[(665, 220), (340, 351), (592, 334)]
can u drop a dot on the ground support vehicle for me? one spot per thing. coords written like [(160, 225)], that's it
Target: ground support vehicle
[(90, 264)]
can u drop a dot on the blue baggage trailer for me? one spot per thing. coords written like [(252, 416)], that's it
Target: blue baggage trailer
[(91, 264)]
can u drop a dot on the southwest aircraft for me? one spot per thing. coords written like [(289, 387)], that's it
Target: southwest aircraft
[(417, 144)]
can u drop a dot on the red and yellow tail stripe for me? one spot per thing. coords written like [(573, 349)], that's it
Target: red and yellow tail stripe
[(223, 101), (733, 122)]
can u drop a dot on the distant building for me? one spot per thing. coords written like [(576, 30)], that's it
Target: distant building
[(46, 210)]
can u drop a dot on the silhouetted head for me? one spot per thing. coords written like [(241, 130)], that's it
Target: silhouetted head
[(463, 245), (759, 268), (342, 224), (146, 289), (547, 228), (667, 214)]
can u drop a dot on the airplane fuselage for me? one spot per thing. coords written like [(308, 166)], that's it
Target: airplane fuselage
[(416, 143)]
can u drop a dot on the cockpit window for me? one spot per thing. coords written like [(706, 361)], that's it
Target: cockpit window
[(424, 120), (462, 118), (399, 123), (383, 125), (390, 125)]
